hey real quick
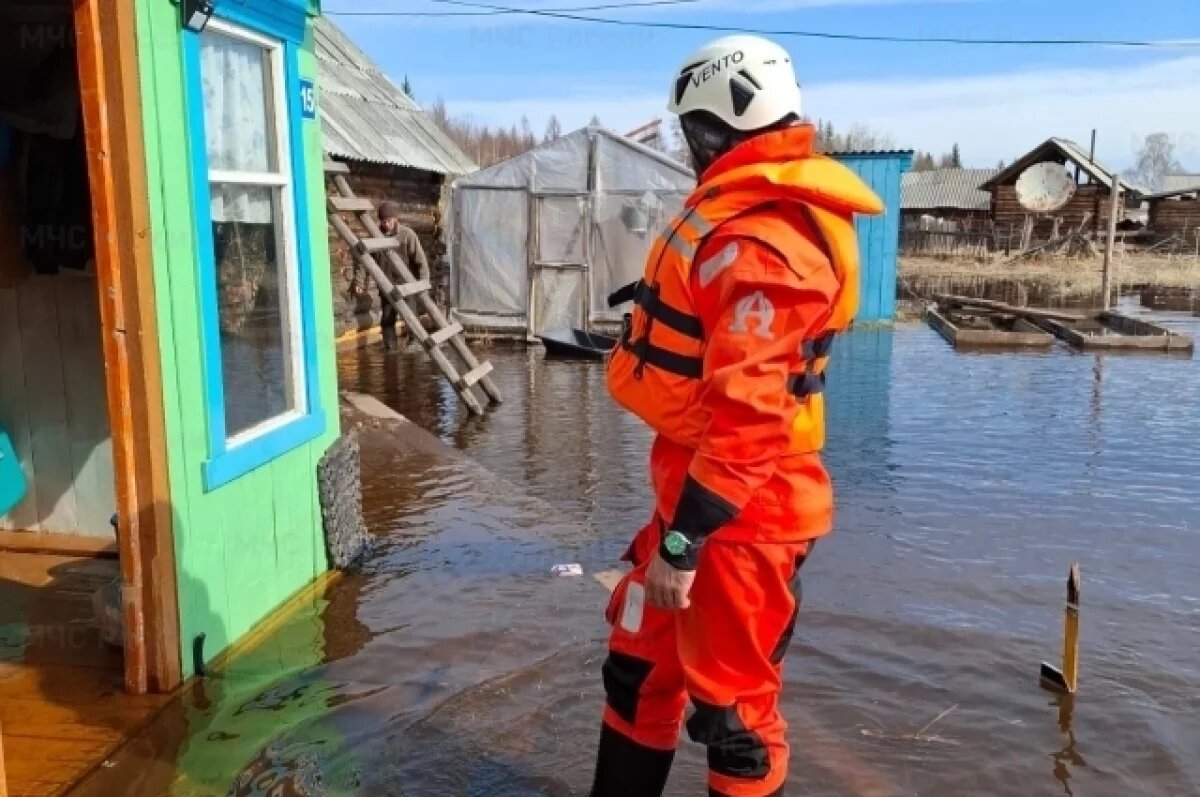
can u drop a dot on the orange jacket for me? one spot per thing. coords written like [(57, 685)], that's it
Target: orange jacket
[(724, 352)]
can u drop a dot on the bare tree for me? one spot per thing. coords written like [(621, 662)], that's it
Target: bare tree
[(859, 137), (553, 129), (483, 144), (1154, 161)]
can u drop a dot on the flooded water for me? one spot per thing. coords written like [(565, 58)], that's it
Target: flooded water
[(967, 485)]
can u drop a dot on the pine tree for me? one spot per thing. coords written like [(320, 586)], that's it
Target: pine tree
[(956, 157), (407, 88), (595, 122)]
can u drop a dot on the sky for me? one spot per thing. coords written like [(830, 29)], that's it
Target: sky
[(995, 102)]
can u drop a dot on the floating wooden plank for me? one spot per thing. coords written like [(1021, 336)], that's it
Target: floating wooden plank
[(334, 167), (995, 332), (443, 335), (949, 300), (351, 204), (1109, 330)]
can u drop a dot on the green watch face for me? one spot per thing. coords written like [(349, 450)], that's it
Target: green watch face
[(675, 543)]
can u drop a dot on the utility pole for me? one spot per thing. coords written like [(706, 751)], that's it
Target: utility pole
[(1106, 283)]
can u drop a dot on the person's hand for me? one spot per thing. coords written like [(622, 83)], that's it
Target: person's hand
[(666, 587)]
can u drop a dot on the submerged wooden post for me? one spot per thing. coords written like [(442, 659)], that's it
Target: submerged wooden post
[(1110, 245), (1067, 679)]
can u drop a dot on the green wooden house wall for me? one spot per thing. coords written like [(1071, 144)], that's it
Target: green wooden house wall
[(241, 548)]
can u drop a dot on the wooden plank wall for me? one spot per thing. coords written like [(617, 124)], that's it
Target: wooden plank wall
[(52, 403), (1175, 217), (879, 236), (421, 198), (1089, 199), (242, 548)]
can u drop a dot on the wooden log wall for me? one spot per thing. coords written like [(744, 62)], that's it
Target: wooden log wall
[(1089, 199), (1170, 218), (421, 197)]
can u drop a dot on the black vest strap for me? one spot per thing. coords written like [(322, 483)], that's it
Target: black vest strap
[(656, 308), (818, 347), (807, 384), (669, 361), (626, 293)]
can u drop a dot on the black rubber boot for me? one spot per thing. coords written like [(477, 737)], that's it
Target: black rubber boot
[(390, 342), (626, 769)]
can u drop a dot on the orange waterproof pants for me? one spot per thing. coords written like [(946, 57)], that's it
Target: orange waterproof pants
[(724, 653)]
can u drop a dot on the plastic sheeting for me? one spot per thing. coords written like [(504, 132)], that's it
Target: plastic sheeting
[(562, 229), (619, 247), (491, 252), (620, 167), (558, 299), (606, 224)]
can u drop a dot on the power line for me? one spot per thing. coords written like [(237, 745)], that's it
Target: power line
[(504, 12), (569, 15)]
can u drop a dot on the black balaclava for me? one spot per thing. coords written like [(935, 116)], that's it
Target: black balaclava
[(708, 137)]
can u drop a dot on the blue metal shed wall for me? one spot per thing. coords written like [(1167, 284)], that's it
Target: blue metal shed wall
[(879, 237)]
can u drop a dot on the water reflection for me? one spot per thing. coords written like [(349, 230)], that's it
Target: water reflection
[(968, 483)]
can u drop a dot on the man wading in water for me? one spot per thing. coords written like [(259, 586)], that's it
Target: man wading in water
[(413, 255), (724, 357)]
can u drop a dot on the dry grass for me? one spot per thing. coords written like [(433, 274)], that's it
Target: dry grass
[(1051, 276)]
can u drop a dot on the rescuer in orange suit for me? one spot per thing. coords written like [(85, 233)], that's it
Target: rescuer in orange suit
[(723, 354)]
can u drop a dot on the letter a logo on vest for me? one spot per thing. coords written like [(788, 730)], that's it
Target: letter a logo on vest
[(758, 307)]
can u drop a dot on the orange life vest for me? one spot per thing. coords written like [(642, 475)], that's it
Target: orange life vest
[(656, 370)]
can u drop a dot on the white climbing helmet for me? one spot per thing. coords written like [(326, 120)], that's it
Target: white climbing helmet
[(746, 81)]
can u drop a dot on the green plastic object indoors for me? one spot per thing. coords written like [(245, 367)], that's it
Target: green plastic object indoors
[(12, 478)]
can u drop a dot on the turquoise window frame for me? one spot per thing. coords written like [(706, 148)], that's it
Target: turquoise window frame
[(286, 22)]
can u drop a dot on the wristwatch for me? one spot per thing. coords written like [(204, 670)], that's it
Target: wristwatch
[(676, 544)]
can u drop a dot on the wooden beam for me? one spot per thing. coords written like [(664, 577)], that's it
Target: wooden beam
[(111, 104), (3, 776), (58, 544)]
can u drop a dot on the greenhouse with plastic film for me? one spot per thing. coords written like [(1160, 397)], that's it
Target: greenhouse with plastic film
[(539, 241)]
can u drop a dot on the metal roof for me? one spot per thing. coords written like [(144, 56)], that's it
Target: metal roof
[(366, 117), (1180, 183), (869, 153), (1063, 149), (946, 188)]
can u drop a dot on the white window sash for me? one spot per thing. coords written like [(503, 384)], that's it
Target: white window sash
[(286, 231), (264, 179)]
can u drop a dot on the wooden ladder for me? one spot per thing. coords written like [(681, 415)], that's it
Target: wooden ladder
[(445, 332)]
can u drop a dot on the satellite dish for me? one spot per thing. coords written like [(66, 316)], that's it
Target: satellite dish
[(1045, 187)]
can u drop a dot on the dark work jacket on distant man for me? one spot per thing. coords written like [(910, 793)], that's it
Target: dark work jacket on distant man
[(413, 255)]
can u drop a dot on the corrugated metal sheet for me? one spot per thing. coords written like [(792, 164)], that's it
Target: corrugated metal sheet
[(1180, 183), (1068, 150), (946, 188), (366, 117)]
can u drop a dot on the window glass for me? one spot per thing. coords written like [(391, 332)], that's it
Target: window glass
[(253, 228)]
